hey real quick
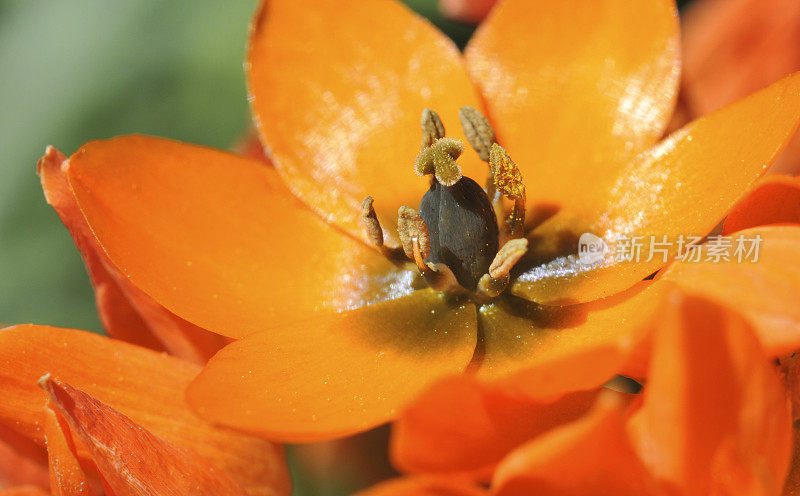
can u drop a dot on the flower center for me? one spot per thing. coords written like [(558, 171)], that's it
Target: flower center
[(454, 239)]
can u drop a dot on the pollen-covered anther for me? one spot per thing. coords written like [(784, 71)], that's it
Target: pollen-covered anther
[(372, 227), (437, 276), (496, 281), (439, 159), (508, 180), (410, 227), (478, 130), (507, 257), (432, 127)]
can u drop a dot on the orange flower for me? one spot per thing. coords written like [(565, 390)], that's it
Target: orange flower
[(116, 415), (734, 47), (335, 336)]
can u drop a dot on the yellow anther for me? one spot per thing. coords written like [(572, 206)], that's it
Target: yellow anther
[(478, 131), (432, 127)]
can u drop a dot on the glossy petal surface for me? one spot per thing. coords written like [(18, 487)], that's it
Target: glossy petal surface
[(461, 426), (144, 385), (217, 239), (592, 455), (132, 460), (714, 417), (682, 187), (544, 351), (338, 374), (575, 88), (763, 291), (21, 462), (338, 104), (773, 200), (125, 311), (423, 486), (67, 478)]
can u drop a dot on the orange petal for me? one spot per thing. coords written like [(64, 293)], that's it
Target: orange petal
[(462, 426), (24, 491), (67, 478), (734, 47), (773, 200), (714, 418), (473, 11), (422, 486), (545, 351), (764, 292), (132, 460), (217, 238), (592, 455), (790, 374), (142, 384), (338, 374), (576, 88), (21, 465), (683, 186), (338, 104), (125, 311)]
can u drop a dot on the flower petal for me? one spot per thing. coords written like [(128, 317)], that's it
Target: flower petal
[(714, 417), (545, 351), (217, 239), (763, 291), (683, 186), (18, 465), (338, 104), (132, 460), (461, 425), (592, 455), (24, 491), (773, 200), (142, 384), (126, 312), (337, 374), (67, 478), (575, 88), (423, 486)]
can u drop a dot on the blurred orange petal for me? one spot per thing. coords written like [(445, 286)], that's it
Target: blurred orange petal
[(591, 455), (576, 88), (337, 374), (734, 47), (764, 292), (24, 491), (142, 384), (542, 351), (338, 104), (462, 426), (773, 200), (422, 486), (714, 417), (126, 312), (472, 11), (218, 239), (67, 478), (21, 466), (683, 186), (132, 460)]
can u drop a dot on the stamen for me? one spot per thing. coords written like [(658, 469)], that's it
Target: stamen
[(411, 229), (440, 159), (478, 131), (432, 128), (508, 179), (496, 281), (370, 221), (507, 257), (438, 276)]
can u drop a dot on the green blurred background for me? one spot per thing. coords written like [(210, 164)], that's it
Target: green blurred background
[(76, 70)]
